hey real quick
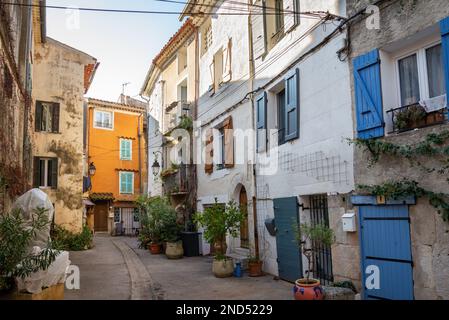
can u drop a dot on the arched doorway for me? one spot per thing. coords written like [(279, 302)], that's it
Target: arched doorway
[(244, 228)]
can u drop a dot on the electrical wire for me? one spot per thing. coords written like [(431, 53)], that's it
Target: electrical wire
[(143, 11)]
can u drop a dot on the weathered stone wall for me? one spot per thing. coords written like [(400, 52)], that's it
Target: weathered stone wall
[(14, 106), (430, 234), (59, 77)]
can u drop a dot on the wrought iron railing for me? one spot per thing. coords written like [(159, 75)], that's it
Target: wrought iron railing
[(179, 181), (413, 117)]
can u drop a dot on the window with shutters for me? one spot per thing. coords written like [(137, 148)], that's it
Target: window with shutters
[(206, 36), (103, 119), (126, 182), (413, 85), (222, 150), (45, 172), (281, 117), (47, 117), (261, 126), (125, 149)]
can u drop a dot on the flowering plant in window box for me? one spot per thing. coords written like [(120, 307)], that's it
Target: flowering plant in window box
[(410, 118)]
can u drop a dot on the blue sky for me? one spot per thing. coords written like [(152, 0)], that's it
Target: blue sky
[(124, 44)]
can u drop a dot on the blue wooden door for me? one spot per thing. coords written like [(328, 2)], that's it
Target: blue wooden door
[(286, 215), (386, 244)]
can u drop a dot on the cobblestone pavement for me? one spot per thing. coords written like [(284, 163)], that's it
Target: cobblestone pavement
[(192, 278)]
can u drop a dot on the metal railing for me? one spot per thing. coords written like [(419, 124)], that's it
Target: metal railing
[(178, 182), (414, 116)]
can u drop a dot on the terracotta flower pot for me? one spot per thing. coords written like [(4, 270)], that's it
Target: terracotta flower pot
[(255, 268), (174, 250), (155, 248), (308, 290), (223, 268)]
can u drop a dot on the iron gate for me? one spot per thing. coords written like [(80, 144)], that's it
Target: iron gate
[(322, 259)]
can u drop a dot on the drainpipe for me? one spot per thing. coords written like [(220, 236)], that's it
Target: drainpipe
[(251, 88), (139, 136)]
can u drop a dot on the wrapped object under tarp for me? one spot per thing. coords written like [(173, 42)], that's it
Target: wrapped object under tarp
[(56, 273), (28, 203)]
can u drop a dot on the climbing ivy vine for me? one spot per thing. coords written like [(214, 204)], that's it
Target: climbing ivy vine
[(405, 188), (433, 146)]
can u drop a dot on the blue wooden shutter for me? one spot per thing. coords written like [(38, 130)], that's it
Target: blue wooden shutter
[(368, 96), (261, 112), (444, 26), (292, 106), (129, 182)]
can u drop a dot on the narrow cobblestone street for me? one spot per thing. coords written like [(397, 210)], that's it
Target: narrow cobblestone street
[(107, 275)]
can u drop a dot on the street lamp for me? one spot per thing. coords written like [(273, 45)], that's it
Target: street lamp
[(92, 169), (156, 167)]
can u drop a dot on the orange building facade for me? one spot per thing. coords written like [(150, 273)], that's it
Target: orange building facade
[(116, 144)]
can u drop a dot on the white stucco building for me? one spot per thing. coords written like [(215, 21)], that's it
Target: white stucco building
[(303, 117)]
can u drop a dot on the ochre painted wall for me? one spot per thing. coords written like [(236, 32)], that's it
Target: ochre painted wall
[(104, 152)]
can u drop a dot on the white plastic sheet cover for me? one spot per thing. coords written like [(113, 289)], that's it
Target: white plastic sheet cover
[(56, 273), (28, 203)]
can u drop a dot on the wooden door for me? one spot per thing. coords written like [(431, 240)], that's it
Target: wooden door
[(244, 230), (101, 217)]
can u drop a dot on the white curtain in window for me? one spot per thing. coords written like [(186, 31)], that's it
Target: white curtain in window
[(409, 81), (435, 71)]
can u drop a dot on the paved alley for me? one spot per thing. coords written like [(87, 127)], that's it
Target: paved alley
[(103, 271), (107, 275)]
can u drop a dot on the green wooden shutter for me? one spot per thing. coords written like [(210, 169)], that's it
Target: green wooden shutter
[(38, 116), (292, 105), (130, 182), (54, 173)]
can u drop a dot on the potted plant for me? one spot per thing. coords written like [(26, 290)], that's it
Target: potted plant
[(222, 266), (151, 223), (16, 260), (321, 236), (219, 221), (254, 266), (171, 232), (411, 117)]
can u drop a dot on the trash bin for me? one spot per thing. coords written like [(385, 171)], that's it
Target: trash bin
[(191, 243)]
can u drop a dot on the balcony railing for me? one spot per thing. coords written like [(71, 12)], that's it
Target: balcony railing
[(414, 116), (175, 112), (178, 180)]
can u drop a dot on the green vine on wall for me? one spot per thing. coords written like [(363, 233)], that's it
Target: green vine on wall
[(434, 145), (405, 188)]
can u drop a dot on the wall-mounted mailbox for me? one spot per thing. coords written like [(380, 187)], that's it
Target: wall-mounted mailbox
[(349, 224), (271, 226)]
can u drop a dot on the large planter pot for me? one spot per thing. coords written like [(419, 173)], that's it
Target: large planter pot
[(223, 268), (174, 250), (255, 268), (308, 290), (155, 248)]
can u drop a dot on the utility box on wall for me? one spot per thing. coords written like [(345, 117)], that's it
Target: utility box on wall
[(349, 223)]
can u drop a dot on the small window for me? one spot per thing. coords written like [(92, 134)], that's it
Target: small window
[(46, 172), (126, 182), (125, 149), (47, 117), (206, 36), (421, 76), (103, 119)]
